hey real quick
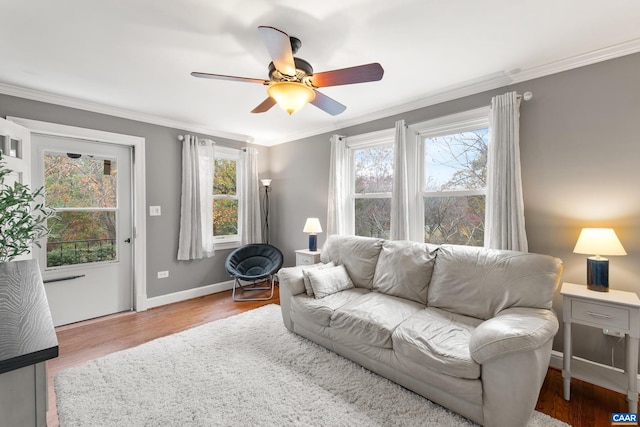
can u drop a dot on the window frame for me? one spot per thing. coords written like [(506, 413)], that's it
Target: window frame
[(230, 241), (375, 139), (441, 126)]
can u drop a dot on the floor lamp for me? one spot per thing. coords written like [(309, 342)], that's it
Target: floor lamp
[(267, 188)]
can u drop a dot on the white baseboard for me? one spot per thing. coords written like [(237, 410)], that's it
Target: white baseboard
[(188, 294), (556, 359), (597, 370)]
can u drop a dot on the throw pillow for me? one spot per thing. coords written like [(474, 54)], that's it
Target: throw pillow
[(328, 281), (305, 275)]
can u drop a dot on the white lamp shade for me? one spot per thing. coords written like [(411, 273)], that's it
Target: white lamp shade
[(599, 241), (266, 182), (312, 226)]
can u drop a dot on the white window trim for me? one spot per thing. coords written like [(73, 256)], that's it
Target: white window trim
[(454, 123), (230, 241)]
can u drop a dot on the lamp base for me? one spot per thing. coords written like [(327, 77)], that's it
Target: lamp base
[(313, 242), (598, 274)]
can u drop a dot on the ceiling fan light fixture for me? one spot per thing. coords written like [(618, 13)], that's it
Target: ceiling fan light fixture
[(291, 96)]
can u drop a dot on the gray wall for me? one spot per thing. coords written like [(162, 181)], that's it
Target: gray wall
[(579, 154), (163, 181), (579, 148)]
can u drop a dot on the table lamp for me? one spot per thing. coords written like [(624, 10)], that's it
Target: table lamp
[(598, 241), (312, 226)]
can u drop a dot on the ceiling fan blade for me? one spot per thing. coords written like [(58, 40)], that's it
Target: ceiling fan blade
[(231, 78), (328, 104), (279, 47), (346, 76), (265, 105)]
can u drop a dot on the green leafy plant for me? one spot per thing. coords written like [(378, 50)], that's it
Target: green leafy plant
[(23, 217)]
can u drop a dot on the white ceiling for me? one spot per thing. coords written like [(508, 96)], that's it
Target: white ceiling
[(132, 58)]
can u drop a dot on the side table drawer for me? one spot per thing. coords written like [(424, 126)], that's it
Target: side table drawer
[(604, 315), (302, 259)]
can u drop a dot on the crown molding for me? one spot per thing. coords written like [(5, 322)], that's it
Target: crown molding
[(65, 101), (480, 85), (471, 87)]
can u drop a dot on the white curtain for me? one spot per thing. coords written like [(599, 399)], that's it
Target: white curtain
[(196, 208), (338, 200), (400, 195), (250, 222), (504, 219)]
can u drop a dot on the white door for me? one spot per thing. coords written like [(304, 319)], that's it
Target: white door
[(87, 259), (16, 154)]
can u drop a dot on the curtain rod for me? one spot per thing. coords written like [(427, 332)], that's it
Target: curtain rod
[(181, 138)]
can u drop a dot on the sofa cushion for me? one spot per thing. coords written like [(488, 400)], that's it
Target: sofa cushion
[(372, 318), (438, 340), (480, 282), (358, 254), (404, 269), (328, 281), (319, 311), (305, 275)]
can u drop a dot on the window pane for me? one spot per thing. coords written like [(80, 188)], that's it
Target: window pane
[(373, 169), (456, 162), (84, 182), (224, 181), (373, 217), (455, 220), (81, 237), (225, 217)]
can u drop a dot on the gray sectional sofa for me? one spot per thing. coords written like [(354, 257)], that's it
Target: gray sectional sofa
[(468, 328)]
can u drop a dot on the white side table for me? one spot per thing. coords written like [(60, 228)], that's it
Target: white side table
[(307, 257), (617, 311)]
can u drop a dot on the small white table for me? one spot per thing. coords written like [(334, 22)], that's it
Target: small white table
[(307, 257), (616, 311)]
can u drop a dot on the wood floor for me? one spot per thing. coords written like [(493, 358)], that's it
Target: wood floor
[(81, 342)]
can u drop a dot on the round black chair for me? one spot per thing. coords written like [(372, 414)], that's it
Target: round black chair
[(253, 263)]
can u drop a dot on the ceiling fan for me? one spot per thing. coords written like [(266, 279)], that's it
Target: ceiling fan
[(292, 83)]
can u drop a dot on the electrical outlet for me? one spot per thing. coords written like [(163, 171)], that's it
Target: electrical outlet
[(163, 274), (612, 332), (155, 211)]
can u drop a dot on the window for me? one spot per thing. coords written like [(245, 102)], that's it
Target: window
[(83, 191), (226, 197), (371, 158), (446, 170), (453, 172)]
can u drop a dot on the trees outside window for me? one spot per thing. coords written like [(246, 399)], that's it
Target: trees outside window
[(226, 200), (82, 191), (447, 174), (372, 173), (455, 171)]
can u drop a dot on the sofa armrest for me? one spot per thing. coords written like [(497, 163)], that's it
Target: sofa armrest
[(292, 278), (512, 330)]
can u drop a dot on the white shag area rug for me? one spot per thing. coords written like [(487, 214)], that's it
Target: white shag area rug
[(246, 370)]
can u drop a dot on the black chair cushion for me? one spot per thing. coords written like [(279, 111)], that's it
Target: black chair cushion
[(254, 261)]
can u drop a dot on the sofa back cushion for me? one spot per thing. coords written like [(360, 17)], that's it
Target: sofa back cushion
[(404, 269), (358, 254), (480, 282)]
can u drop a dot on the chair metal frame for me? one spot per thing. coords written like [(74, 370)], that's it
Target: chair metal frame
[(237, 284)]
